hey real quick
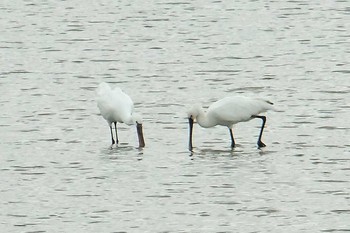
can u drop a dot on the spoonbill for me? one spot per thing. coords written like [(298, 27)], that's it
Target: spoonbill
[(116, 106), (228, 112)]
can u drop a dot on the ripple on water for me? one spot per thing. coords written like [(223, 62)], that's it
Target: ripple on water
[(57, 165)]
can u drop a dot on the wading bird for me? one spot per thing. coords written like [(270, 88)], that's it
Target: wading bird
[(116, 106), (228, 112)]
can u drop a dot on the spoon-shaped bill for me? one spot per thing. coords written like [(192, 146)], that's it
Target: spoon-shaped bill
[(140, 135)]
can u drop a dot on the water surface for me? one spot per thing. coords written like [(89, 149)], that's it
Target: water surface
[(58, 173)]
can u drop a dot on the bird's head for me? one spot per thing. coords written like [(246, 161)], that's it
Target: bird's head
[(193, 112), (192, 115), (136, 118)]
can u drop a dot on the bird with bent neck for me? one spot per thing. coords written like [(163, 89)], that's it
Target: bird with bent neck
[(116, 106), (228, 112)]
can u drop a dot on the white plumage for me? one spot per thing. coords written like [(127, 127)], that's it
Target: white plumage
[(228, 112), (116, 106)]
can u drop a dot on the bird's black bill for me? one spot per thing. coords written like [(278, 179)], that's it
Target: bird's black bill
[(140, 135), (190, 121)]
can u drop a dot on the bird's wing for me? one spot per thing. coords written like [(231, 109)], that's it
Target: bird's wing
[(123, 99), (238, 108), (105, 105), (123, 105), (114, 105)]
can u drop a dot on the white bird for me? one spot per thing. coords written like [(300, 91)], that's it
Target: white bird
[(228, 112), (116, 106)]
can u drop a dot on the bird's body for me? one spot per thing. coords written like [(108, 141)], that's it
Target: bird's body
[(116, 106), (228, 112), (232, 110)]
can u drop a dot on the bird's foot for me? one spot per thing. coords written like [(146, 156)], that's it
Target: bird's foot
[(113, 143), (261, 144)]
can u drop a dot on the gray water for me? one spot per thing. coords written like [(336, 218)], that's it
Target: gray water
[(58, 173)]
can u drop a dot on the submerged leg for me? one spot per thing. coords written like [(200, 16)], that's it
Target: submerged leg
[(263, 118), (233, 144), (116, 133)]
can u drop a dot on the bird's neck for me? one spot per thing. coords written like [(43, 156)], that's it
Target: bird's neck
[(204, 120), (129, 120)]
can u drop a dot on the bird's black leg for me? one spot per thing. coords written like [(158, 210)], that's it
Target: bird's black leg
[(190, 146), (233, 144), (116, 133), (263, 118), (113, 142)]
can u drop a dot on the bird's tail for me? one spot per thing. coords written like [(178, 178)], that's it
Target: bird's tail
[(269, 102), (268, 105), (103, 88)]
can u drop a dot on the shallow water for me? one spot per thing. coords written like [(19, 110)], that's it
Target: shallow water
[(58, 173)]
